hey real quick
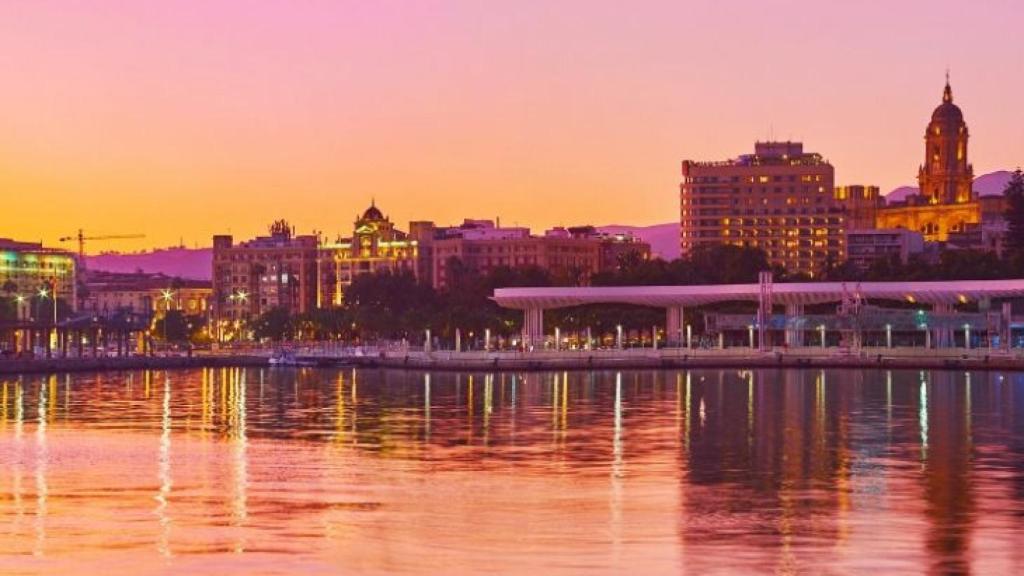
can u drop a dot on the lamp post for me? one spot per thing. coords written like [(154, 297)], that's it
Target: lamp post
[(166, 296), (967, 336), (618, 336), (821, 328), (750, 334), (888, 335), (43, 293)]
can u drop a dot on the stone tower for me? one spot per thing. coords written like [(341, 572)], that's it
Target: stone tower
[(946, 176)]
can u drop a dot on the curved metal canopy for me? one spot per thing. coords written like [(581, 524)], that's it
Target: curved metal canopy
[(943, 292)]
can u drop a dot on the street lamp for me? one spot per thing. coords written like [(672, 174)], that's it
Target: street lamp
[(166, 296), (43, 293)]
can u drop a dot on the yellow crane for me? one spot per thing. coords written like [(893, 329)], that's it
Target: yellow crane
[(81, 238)]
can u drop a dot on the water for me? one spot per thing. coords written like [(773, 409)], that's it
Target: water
[(313, 471)]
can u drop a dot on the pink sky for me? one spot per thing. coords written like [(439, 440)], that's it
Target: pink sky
[(185, 119)]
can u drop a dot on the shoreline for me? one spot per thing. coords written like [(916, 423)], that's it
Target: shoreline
[(61, 365), (950, 359), (545, 360)]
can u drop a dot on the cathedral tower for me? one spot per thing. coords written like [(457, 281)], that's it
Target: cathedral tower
[(946, 177)]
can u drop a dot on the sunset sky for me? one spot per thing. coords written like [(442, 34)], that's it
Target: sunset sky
[(189, 118)]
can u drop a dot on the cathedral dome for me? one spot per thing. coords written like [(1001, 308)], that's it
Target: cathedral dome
[(947, 111), (373, 213)]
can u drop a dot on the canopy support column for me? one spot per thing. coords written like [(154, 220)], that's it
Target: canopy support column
[(533, 327), (794, 325), (674, 326)]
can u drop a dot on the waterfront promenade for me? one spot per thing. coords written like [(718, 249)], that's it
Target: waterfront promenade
[(639, 358), (330, 355)]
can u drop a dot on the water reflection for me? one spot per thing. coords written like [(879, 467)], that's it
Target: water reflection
[(694, 471)]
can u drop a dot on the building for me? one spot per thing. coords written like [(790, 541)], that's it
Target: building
[(267, 272), (28, 270), (480, 245), (779, 199), (861, 205), (616, 250), (375, 246), (946, 203), (108, 294), (867, 246)]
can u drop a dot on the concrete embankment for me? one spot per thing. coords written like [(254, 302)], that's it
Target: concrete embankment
[(918, 359), (51, 365), (603, 360)]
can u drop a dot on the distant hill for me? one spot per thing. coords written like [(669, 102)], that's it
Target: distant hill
[(663, 238), (194, 263), (991, 184)]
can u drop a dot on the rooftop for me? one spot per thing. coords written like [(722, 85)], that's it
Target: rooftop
[(770, 153), (789, 293)]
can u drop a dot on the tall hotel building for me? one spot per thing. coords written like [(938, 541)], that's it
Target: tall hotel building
[(779, 199)]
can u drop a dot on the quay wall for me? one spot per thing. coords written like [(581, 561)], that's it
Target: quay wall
[(949, 359), (51, 365), (907, 358)]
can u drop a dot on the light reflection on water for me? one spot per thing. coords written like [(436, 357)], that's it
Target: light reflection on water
[(234, 470)]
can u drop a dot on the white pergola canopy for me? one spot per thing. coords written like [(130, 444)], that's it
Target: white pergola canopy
[(942, 292)]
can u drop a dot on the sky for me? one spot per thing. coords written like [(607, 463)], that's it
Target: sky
[(180, 120)]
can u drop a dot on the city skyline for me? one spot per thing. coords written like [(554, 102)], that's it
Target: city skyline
[(222, 120)]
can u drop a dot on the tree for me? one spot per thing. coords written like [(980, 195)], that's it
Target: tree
[(275, 324), (173, 327), (1014, 214)]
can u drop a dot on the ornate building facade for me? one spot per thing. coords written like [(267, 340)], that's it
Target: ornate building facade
[(375, 245), (946, 203)]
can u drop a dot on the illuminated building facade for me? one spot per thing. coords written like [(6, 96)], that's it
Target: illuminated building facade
[(375, 246), (267, 272), (779, 199), (28, 270), (108, 294), (946, 203), (861, 204), (569, 255)]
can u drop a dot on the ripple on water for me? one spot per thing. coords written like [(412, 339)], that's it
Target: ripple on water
[(315, 471)]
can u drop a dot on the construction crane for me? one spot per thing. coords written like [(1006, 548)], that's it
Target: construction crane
[(81, 238)]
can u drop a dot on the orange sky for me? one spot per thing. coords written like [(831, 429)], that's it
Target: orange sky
[(186, 119)]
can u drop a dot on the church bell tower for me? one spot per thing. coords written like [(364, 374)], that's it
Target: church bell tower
[(946, 176)]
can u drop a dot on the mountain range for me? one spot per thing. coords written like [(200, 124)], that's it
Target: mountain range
[(991, 184)]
